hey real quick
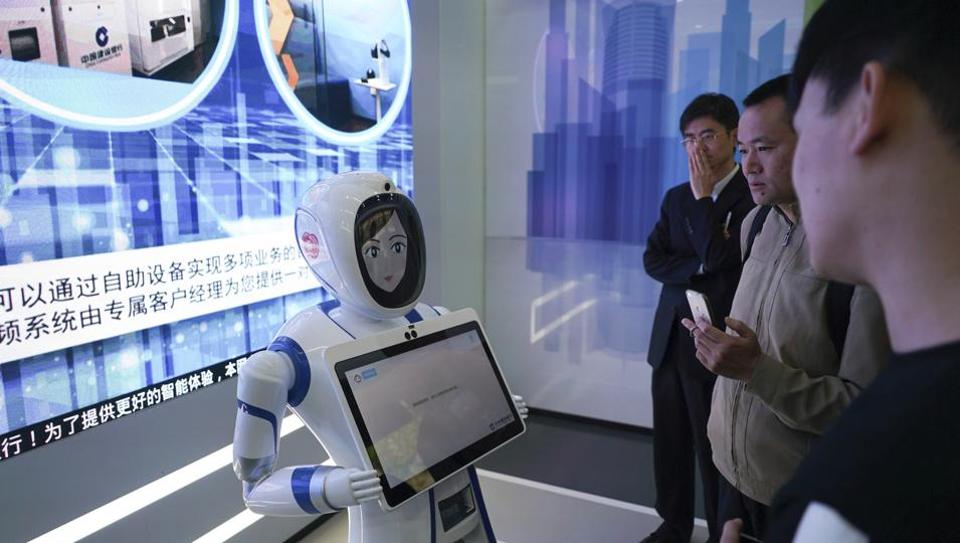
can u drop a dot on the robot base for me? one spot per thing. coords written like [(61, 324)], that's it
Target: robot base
[(454, 511)]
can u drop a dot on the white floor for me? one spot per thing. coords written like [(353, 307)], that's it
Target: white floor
[(524, 511)]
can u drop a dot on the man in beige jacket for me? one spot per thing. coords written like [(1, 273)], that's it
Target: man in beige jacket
[(794, 356)]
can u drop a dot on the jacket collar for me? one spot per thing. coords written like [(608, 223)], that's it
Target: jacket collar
[(735, 190)]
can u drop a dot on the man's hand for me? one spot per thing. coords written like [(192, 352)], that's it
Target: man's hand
[(702, 178), (731, 531), (723, 354)]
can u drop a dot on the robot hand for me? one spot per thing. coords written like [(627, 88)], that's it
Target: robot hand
[(348, 486), (521, 406)]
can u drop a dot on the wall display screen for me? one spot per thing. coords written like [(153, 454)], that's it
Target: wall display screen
[(576, 175), (146, 221)]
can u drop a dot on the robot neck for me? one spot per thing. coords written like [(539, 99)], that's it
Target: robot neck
[(373, 314), (361, 314), (359, 323)]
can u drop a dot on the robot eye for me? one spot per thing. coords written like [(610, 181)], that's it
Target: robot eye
[(398, 247), (372, 251)]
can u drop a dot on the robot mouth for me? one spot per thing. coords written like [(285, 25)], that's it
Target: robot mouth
[(388, 278)]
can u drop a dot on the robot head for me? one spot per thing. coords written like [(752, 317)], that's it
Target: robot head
[(364, 241)]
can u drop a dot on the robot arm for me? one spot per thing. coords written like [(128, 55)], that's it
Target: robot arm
[(262, 394), (311, 490), (261, 403)]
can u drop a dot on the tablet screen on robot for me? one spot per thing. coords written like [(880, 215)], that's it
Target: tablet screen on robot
[(427, 407)]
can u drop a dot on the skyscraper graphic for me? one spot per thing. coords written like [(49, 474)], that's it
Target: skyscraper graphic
[(735, 50), (557, 65), (605, 147), (597, 168), (699, 68), (699, 73), (694, 71), (770, 52)]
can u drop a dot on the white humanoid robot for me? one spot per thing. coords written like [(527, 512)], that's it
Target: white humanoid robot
[(363, 240)]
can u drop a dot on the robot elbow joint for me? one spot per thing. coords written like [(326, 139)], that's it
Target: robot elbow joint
[(253, 470)]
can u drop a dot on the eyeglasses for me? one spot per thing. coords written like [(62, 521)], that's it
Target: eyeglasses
[(706, 138)]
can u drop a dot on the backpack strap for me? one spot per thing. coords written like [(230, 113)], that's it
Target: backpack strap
[(839, 296), (755, 228)]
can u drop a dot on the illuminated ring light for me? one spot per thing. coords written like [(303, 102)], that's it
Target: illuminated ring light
[(198, 90), (301, 112)]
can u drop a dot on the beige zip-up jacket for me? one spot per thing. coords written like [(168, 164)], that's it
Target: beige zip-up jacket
[(762, 429)]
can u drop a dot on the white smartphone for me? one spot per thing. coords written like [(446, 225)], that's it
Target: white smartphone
[(699, 305)]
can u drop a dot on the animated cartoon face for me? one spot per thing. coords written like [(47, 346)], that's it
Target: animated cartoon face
[(385, 254)]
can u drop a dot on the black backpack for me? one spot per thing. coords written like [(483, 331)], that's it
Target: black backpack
[(838, 294)]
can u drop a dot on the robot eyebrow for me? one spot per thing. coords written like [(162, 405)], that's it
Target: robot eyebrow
[(375, 240), (398, 236)]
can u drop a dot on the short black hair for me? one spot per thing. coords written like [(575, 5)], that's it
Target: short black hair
[(915, 39), (718, 107), (777, 87)]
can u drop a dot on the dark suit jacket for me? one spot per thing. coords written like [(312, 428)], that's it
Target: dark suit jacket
[(690, 233)]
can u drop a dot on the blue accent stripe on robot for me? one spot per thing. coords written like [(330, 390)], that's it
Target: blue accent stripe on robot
[(433, 516), (482, 507), (300, 484), (413, 316), (301, 368), (329, 306), (261, 414)]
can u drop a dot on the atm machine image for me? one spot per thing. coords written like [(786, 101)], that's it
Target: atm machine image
[(26, 31), (201, 21), (161, 32), (92, 34)]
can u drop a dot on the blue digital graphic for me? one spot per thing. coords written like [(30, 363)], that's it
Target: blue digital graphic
[(605, 191), (238, 158), (622, 127), (609, 80)]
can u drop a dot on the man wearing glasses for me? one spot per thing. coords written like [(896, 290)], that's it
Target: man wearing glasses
[(694, 245)]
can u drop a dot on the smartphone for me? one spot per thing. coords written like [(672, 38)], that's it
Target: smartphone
[(699, 306)]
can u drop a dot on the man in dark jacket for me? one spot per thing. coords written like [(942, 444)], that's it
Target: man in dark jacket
[(694, 245)]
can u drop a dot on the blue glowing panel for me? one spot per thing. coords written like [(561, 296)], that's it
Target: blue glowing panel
[(575, 182), (236, 162)]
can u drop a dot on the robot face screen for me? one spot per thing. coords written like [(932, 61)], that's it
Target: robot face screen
[(385, 254), (389, 243)]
